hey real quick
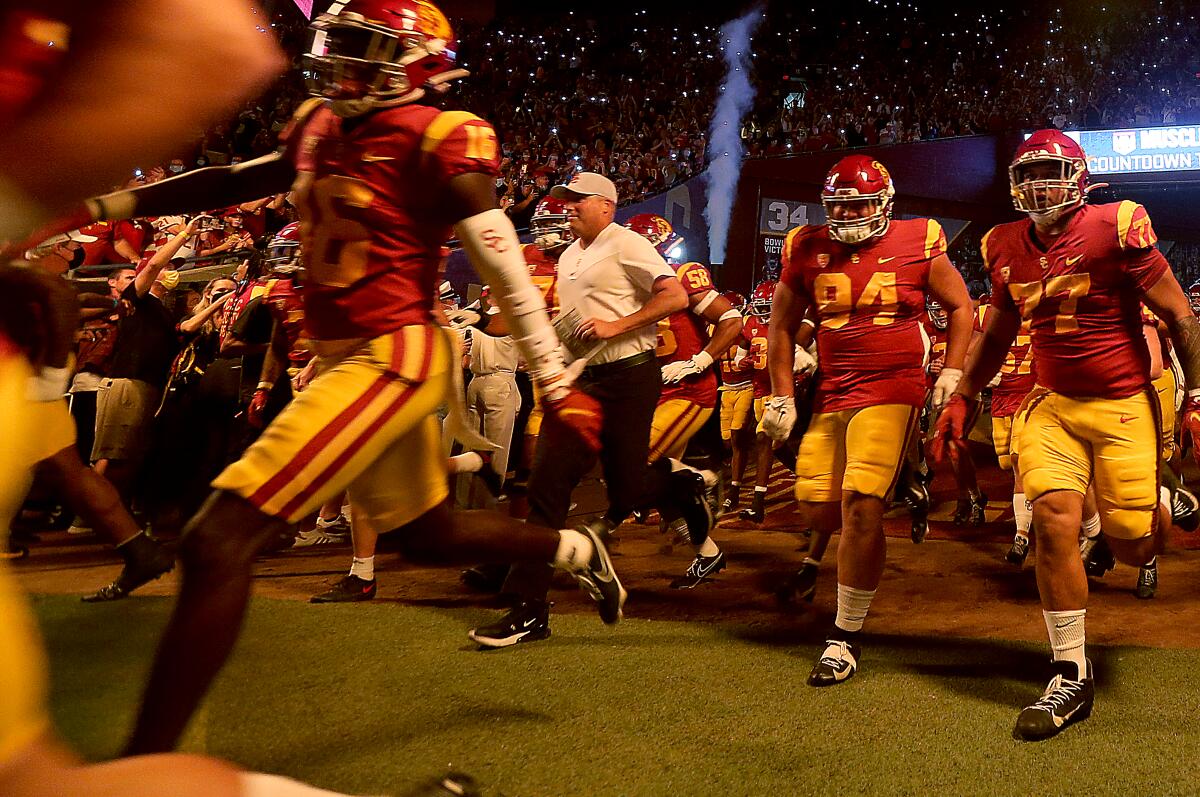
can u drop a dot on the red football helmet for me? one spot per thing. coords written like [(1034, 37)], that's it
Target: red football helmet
[(368, 54), (761, 298), (283, 252), (549, 225), (1048, 175), (861, 183), (937, 314), (659, 232), (736, 299)]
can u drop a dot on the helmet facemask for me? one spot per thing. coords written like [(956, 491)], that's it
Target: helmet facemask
[(361, 66), (1046, 193), (866, 225), (283, 257), (937, 314)]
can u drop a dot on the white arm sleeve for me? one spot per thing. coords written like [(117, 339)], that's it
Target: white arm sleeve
[(491, 243)]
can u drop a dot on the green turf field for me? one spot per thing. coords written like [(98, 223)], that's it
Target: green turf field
[(370, 698)]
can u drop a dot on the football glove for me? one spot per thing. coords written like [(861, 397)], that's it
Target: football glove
[(950, 428), (682, 369), (804, 362), (946, 384), (577, 412), (779, 417), (257, 408)]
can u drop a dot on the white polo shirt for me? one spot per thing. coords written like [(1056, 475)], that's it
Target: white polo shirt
[(490, 354), (611, 279)]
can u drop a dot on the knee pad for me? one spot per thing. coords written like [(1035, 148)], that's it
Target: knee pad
[(1127, 524)]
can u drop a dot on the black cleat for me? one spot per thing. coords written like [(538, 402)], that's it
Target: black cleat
[(970, 512), (1099, 559), (799, 587), (134, 575), (599, 579), (1185, 509), (755, 513), (1064, 703), (731, 502), (485, 578), (350, 589), (701, 568), (641, 516), (916, 497), (1147, 583), (529, 621), (1017, 551), (838, 663)]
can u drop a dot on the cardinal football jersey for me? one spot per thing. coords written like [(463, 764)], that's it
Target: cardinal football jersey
[(754, 338), (543, 270), (1081, 296), (681, 336), (869, 301), (374, 211)]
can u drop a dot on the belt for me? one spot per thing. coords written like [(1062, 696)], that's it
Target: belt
[(608, 369)]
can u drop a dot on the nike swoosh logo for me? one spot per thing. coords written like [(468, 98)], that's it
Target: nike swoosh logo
[(377, 158), (1126, 418), (529, 622), (883, 260), (1073, 260)]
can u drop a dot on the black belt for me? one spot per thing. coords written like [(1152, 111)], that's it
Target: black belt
[(608, 369)]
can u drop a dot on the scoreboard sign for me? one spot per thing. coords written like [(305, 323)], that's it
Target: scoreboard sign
[(1144, 150)]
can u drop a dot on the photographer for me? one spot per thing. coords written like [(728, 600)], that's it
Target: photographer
[(528, 194)]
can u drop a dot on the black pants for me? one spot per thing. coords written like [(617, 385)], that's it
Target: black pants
[(627, 396)]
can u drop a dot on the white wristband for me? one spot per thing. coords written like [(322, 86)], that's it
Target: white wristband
[(702, 360)]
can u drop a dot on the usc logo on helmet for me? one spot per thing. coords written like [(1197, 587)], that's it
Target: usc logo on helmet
[(882, 170), (432, 22)]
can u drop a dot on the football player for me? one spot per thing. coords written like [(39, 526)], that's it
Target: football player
[(754, 343), (1077, 273), (971, 502), (686, 352), (868, 278), (737, 402), (381, 177)]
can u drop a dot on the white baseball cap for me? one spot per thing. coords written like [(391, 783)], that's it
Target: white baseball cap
[(586, 184)]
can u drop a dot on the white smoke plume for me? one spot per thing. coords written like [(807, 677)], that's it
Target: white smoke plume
[(725, 152)]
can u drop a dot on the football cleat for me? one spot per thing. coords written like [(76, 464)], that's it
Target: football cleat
[(1147, 583), (1185, 509), (801, 587), (970, 512), (1099, 560), (350, 589), (916, 497), (1064, 703), (338, 527), (529, 621), (134, 575), (317, 536), (700, 570), (599, 579), (731, 502), (641, 516), (1017, 551), (838, 663), (485, 578), (755, 512)]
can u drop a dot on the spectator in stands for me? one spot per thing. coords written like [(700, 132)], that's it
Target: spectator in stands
[(141, 360)]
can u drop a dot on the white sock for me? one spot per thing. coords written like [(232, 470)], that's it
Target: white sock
[(363, 568), (1066, 637), (808, 560), (758, 489), (1022, 514), (1164, 497), (709, 548), (1091, 526), (1153, 561), (575, 550), (257, 784), (735, 485), (852, 607), (710, 478), (469, 462)]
